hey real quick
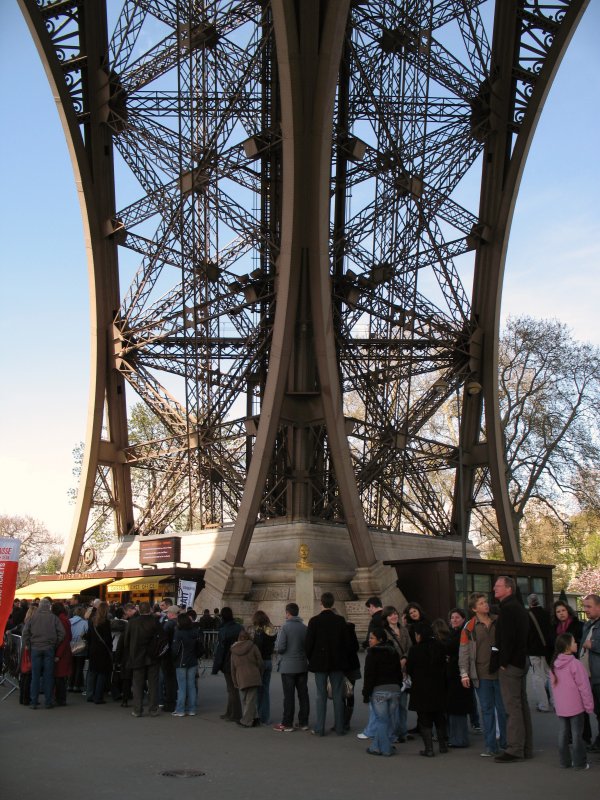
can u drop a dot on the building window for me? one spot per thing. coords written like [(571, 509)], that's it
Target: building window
[(475, 583)]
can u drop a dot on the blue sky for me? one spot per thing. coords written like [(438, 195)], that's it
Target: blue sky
[(552, 268)]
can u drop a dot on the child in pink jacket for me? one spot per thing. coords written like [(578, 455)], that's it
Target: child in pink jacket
[(572, 699)]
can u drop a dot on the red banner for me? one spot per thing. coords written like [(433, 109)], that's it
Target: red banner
[(9, 562)]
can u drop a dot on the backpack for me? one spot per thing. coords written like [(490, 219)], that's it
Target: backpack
[(159, 643)]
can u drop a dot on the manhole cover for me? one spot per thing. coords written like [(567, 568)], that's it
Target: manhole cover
[(182, 773)]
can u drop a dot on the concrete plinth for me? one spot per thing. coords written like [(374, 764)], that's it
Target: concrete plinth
[(268, 578)]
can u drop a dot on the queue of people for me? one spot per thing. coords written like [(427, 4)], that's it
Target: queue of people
[(442, 670)]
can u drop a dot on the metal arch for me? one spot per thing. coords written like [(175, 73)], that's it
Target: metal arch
[(298, 317), (532, 40), (79, 91)]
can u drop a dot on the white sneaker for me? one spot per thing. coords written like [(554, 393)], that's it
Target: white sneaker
[(362, 736), (177, 714)]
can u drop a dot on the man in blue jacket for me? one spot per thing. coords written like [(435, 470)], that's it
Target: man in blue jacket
[(293, 667)]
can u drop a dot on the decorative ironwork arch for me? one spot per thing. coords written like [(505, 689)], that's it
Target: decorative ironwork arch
[(279, 242)]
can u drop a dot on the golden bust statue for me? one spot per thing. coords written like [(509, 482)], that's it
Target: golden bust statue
[(303, 562)]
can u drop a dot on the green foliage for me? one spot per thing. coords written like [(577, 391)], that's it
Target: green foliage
[(572, 546)]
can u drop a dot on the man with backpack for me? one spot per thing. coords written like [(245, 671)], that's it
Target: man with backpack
[(540, 646)]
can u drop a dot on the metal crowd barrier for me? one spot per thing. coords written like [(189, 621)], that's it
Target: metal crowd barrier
[(11, 662), (210, 645)]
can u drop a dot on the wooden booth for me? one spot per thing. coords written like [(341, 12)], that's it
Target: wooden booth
[(437, 583)]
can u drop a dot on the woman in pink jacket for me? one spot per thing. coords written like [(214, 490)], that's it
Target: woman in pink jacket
[(572, 699)]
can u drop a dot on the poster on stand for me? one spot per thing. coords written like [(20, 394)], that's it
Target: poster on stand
[(186, 592), (9, 563)]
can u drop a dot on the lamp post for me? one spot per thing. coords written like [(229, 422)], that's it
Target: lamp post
[(461, 510)]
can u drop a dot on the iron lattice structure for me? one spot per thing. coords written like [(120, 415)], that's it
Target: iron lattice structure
[(297, 215)]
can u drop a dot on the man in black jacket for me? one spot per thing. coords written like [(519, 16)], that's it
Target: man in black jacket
[(326, 649), (138, 657), (228, 635), (375, 609), (512, 629)]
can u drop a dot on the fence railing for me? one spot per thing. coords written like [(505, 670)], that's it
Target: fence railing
[(11, 662)]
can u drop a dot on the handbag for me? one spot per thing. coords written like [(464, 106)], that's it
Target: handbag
[(78, 647), (347, 689)]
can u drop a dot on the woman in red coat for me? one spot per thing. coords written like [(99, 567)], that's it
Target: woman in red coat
[(63, 660)]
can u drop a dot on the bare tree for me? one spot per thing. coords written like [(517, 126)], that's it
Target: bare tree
[(37, 544), (550, 408)]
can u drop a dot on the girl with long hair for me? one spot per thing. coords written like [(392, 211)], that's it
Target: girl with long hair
[(399, 638), (381, 688), (185, 649), (263, 636), (426, 666), (565, 620), (99, 639)]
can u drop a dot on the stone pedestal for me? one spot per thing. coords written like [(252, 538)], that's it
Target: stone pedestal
[(305, 592)]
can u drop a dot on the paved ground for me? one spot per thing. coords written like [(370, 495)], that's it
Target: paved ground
[(87, 752)]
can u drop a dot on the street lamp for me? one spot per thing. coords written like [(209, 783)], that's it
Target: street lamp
[(461, 511)]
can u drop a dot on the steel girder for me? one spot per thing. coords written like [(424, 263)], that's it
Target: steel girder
[(283, 204)]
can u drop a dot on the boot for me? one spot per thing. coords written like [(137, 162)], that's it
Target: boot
[(347, 716), (426, 733)]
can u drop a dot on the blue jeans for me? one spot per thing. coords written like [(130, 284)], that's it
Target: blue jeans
[(42, 662), (337, 690), (371, 725), (385, 708), (571, 727), (186, 690), (398, 720), (264, 702), (490, 700)]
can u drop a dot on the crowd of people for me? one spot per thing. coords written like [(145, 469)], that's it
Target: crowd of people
[(452, 672), (130, 650)]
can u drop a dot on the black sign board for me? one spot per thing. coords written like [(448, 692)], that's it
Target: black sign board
[(155, 551)]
